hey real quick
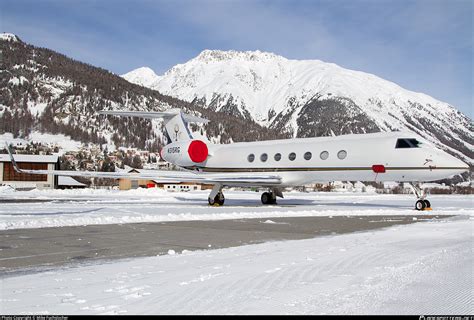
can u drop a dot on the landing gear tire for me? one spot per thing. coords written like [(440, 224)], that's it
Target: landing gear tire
[(420, 205), (268, 198), (427, 204), (217, 201)]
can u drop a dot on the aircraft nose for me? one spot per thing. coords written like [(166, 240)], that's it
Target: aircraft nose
[(455, 163)]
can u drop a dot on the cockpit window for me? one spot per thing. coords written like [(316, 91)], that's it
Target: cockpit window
[(407, 143)]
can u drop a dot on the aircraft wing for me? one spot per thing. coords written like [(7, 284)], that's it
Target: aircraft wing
[(164, 176)]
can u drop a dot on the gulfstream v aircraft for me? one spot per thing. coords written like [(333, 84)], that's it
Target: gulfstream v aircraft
[(275, 164)]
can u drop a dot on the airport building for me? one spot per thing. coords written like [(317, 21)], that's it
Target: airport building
[(65, 182), (8, 175), (127, 184)]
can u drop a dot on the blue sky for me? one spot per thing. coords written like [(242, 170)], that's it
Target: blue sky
[(424, 46)]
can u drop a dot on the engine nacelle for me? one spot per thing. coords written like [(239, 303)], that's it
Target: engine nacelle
[(185, 153)]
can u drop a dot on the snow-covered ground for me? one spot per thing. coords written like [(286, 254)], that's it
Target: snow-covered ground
[(53, 208), (422, 268)]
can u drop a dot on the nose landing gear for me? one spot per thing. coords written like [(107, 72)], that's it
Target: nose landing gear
[(422, 204)]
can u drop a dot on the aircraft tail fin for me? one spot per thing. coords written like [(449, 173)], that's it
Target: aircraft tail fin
[(175, 120)]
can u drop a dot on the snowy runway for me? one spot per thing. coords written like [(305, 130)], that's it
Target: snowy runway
[(35, 250), (86, 207)]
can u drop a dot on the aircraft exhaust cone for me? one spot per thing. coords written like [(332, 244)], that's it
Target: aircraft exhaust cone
[(198, 151)]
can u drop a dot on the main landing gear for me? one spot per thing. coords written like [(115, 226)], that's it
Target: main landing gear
[(268, 198), (216, 197), (422, 203), (271, 196), (217, 201)]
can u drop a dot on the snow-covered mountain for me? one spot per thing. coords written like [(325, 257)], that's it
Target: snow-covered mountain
[(309, 97), (44, 91), (143, 76), (8, 37)]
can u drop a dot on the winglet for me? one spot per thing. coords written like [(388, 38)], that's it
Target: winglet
[(15, 165)]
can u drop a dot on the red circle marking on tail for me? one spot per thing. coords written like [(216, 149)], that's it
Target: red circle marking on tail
[(197, 151)]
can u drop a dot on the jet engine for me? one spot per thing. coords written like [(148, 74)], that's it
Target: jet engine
[(185, 153)]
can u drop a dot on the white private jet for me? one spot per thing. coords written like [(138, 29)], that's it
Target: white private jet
[(275, 164)]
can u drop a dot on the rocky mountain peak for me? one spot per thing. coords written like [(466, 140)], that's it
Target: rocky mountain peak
[(220, 55)]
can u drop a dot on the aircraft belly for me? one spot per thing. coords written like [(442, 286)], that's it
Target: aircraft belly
[(308, 177), (299, 178)]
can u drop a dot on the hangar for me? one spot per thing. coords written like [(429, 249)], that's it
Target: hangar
[(8, 175)]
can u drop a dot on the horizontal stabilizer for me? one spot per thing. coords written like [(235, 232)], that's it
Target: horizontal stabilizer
[(166, 115)]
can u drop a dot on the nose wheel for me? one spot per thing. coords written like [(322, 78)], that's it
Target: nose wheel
[(421, 204)]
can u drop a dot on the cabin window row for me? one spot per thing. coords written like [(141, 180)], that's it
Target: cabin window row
[(342, 154)]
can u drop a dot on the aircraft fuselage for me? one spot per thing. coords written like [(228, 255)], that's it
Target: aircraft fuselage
[(355, 157)]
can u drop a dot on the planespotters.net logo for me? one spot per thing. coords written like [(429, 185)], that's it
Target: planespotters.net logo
[(446, 318)]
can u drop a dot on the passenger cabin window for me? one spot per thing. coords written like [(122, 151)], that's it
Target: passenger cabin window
[(292, 156), (324, 155), (342, 154), (264, 157), (277, 156), (407, 143), (307, 155), (251, 157)]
